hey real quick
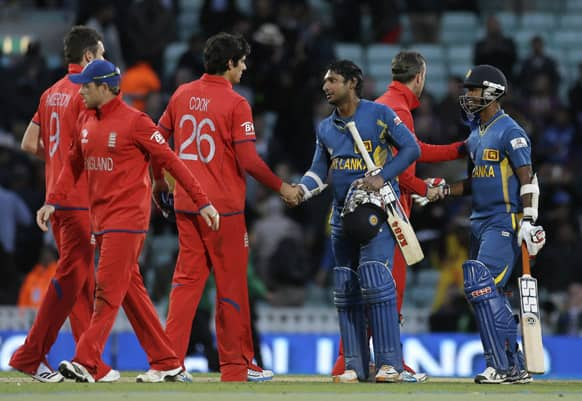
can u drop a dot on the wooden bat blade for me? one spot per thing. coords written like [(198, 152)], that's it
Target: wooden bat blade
[(531, 327), (406, 239)]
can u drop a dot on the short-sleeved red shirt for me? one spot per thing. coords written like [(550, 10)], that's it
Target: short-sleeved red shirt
[(208, 118), (57, 115)]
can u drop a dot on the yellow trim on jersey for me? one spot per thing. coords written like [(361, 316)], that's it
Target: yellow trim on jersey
[(506, 172), (380, 156), (490, 125), (501, 275), (514, 221), (384, 127)]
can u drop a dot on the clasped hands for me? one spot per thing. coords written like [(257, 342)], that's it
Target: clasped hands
[(291, 194)]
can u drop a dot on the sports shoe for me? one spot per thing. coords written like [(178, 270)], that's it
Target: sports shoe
[(408, 368), (158, 376), (44, 374), (523, 377), (182, 377), (75, 371), (349, 376), (387, 374), (111, 376), (407, 377), (490, 376), (259, 376)]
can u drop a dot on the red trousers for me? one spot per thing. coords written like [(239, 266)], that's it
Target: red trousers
[(226, 253), (119, 283), (70, 293)]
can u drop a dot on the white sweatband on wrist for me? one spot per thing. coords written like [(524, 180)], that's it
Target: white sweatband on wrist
[(307, 194), (532, 189)]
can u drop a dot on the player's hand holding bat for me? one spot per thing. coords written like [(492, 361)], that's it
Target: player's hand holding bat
[(43, 215), (533, 236), (211, 217), (371, 182)]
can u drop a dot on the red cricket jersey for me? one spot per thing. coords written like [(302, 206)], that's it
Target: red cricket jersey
[(208, 120), (114, 147), (57, 115), (401, 99)]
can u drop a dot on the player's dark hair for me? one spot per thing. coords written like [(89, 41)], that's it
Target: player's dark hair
[(221, 48), (349, 70), (405, 66), (79, 40)]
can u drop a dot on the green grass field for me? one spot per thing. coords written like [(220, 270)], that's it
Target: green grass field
[(15, 386)]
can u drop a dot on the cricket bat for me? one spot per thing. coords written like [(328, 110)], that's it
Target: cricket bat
[(397, 219), (531, 327)]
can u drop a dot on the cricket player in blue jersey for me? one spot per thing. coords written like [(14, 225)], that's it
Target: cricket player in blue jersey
[(505, 196), (363, 248)]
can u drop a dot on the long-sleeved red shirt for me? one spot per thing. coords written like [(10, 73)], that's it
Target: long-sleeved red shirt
[(214, 134), (402, 100), (113, 147), (57, 114)]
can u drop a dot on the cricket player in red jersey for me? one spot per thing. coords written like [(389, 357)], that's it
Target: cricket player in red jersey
[(49, 136), (214, 135), (113, 148), (402, 96)]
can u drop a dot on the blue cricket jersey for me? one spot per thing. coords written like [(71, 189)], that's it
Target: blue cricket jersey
[(496, 150), (336, 153)]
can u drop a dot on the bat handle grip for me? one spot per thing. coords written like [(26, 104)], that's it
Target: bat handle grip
[(525, 259)]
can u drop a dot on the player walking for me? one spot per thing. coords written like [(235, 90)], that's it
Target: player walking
[(214, 135), (49, 136), (503, 188), (362, 278), (113, 149)]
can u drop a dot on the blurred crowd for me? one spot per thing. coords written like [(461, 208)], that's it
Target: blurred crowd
[(291, 45)]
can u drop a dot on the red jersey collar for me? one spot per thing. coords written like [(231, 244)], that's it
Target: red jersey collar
[(75, 68), (217, 79), (411, 100), (108, 107)]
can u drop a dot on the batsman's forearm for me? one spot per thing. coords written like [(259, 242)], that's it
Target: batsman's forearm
[(404, 158), (459, 188)]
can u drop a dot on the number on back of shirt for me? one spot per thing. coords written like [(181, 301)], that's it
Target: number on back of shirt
[(54, 133), (199, 143)]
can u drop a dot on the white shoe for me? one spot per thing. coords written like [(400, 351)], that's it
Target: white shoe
[(111, 376), (75, 371), (44, 374), (349, 376), (259, 376), (158, 376), (182, 377), (522, 377), (387, 374), (490, 376), (407, 377)]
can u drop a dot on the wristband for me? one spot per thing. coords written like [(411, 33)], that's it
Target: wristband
[(446, 190)]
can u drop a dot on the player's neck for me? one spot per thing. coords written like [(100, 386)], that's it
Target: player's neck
[(488, 113), (348, 108)]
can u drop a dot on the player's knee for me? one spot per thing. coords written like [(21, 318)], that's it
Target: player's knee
[(376, 282), (346, 287), (478, 282)]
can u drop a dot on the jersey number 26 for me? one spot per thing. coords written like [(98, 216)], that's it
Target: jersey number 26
[(197, 137)]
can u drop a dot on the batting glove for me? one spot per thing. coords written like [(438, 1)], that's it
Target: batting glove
[(438, 183), (534, 237)]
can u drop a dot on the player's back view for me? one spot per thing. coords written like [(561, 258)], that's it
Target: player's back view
[(49, 136), (214, 135)]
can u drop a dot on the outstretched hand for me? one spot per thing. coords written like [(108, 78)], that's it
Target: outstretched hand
[(211, 217), (43, 215), (292, 195)]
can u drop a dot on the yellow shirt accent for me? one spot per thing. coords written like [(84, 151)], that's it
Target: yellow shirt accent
[(506, 172), (500, 277)]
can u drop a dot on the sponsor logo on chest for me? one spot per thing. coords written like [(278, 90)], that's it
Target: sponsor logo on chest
[(84, 136)]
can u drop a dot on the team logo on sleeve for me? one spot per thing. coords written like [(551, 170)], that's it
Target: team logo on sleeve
[(397, 120), (158, 137), (248, 127), (84, 135), (491, 155), (517, 143), (112, 140)]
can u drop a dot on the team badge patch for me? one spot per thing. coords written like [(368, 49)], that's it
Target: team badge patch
[(112, 140), (249, 128), (491, 155), (367, 144), (84, 135), (373, 219), (517, 143), (397, 120)]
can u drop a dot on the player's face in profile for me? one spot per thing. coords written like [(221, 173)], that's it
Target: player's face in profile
[(335, 87), (92, 94), (236, 71)]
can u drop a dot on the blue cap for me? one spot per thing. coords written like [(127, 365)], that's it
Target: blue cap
[(99, 71)]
